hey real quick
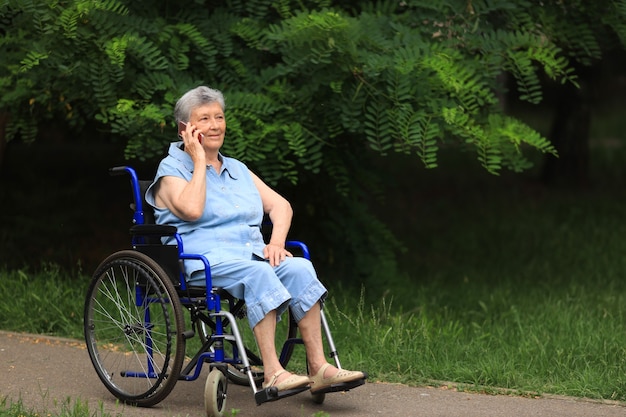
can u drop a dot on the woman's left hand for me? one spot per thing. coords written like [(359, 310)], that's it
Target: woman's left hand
[(275, 253)]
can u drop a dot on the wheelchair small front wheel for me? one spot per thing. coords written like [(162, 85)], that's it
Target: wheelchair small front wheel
[(318, 397), (215, 394), (133, 324)]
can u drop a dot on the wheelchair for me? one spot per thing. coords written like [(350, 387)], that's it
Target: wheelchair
[(136, 330)]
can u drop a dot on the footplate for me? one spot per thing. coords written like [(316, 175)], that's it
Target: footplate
[(342, 386), (272, 394)]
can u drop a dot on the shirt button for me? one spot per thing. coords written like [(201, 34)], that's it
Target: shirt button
[(247, 243)]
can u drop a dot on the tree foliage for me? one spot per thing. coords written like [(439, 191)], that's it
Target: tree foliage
[(311, 85), (299, 76)]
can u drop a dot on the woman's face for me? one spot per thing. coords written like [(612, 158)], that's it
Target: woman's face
[(210, 120)]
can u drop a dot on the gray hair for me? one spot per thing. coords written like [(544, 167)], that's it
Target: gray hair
[(196, 97)]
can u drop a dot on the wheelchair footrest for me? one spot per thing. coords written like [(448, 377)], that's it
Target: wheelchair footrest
[(341, 387), (272, 394)]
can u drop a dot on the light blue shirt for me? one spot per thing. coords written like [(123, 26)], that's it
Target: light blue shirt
[(230, 226)]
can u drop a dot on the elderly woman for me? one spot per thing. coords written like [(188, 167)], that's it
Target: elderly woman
[(217, 204)]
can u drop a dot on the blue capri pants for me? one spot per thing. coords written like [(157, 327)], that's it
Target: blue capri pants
[(264, 288)]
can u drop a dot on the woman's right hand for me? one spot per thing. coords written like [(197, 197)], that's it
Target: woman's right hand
[(193, 143)]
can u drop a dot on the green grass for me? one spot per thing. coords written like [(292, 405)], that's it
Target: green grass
[(48, 301), (506, 285), (67, 408)]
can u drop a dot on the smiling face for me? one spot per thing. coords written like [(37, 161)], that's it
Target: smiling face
[(210, 120)]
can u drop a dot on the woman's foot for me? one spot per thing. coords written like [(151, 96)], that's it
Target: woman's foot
[(328, 375), (284, 381)]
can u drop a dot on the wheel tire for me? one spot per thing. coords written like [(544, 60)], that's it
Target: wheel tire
[(121, 329), (292, 332), (236, 373), (318, 398), (215, 394)]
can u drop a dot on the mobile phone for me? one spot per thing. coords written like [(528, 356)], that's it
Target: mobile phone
[(182, 126)]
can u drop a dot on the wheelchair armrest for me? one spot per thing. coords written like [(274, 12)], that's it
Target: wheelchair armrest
[(296, 244), (153, 230)]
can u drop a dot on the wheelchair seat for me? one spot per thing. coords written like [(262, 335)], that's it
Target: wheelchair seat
[(137, 335)]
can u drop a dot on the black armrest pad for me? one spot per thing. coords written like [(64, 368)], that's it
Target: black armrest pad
[(153, 230)]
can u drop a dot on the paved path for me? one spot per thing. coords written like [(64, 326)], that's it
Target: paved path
[(47, 372)]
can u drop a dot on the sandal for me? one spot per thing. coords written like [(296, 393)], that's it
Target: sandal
[(293, 382), (319, 382)]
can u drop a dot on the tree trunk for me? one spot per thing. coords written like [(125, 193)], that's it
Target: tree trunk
[(4, 121), (570, 135)]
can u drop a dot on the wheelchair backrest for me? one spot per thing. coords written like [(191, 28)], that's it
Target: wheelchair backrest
[(148, 211), (146, 235), (165, 255)]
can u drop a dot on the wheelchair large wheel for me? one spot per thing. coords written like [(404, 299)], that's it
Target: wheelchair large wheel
[(235, 372), (133, 323), (291, 333)]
